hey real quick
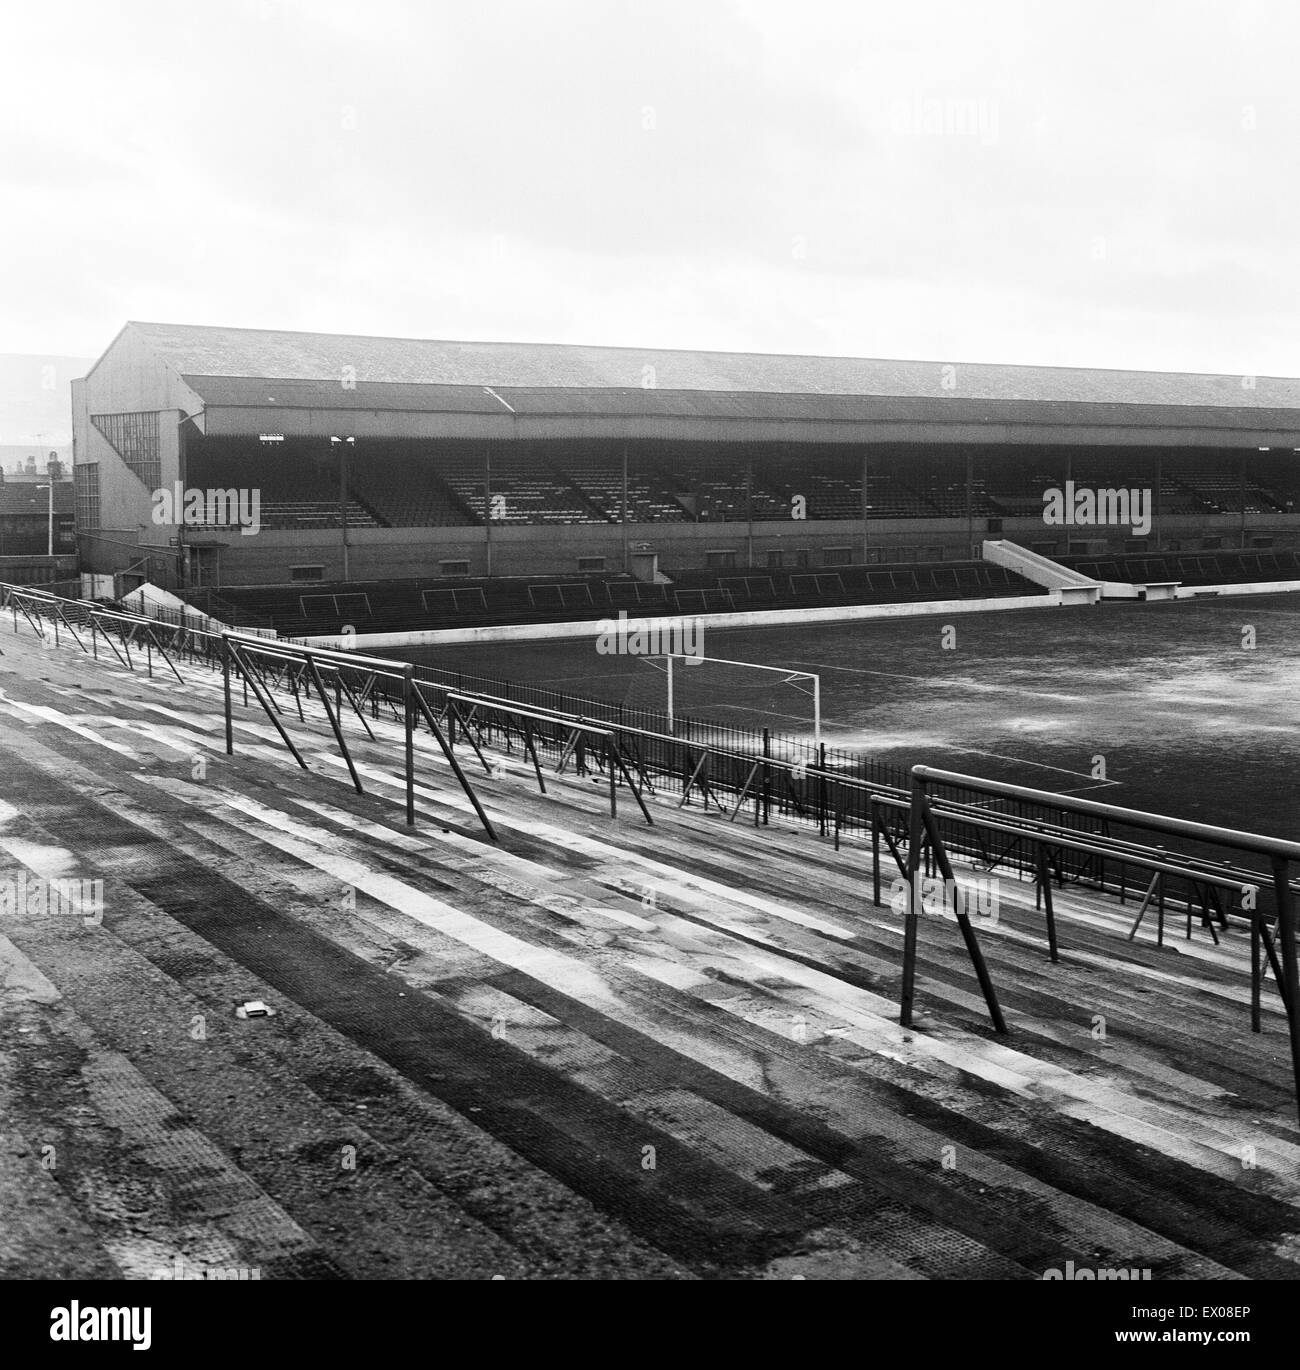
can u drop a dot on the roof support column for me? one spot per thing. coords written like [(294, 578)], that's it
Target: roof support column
[(487, 505), (862, 478), (343, 506), (1069, 476), (1157, 506), (970, 501), (1241, 493), (183, 472), (749, 508)]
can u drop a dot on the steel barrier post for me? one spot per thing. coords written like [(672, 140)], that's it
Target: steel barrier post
[(225, 687), (250, 679), (915, 827), (314, 672), (462, 780), (963, 920), (627, 776), (1286, 934), (875, 852), (408, 716), (1255, 1023), (767, 777), (1045, 884), (530, 746), (821, 788)]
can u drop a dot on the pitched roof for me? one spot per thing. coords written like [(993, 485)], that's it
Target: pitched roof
[(205, 354), (24, 498), (262, 394)]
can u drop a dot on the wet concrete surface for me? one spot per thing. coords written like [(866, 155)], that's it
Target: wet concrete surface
[(501, 1061)]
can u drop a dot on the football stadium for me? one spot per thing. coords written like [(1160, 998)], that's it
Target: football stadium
[(519, 811)]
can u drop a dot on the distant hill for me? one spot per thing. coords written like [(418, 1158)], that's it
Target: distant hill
[(36, 401)]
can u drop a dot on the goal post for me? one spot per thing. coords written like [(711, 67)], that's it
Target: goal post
[(790, 677)]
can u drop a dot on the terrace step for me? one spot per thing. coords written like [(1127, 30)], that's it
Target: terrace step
[(742, 1022)]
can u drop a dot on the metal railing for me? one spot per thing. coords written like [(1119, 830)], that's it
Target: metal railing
[(262, 665), (1047, 838), (924, 830), (730, 768), (710, 763)]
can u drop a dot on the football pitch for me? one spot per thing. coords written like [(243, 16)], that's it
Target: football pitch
[(1190, 708)]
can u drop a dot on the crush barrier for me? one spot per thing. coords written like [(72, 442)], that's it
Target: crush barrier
[(1046, 838)]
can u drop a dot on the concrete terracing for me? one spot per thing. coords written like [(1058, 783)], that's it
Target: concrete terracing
[(597, 1049)]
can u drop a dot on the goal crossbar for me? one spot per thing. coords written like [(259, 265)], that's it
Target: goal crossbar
[(790, 677)]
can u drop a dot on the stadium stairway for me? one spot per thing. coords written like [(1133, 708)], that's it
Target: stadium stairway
[(1044, 571), (596, 1049)]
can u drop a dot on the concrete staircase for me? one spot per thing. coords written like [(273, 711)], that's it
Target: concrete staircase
[(1073, 586)]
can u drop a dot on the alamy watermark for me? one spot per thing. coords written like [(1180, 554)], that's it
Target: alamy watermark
[(976, 897), (73, 1322), (196, 508), (33, 896), (181, 1270), (1083, 507), (1083, 1272), (928, 116), (651, 637)]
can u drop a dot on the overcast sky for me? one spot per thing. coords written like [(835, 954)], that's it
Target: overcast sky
[(1109, 183)]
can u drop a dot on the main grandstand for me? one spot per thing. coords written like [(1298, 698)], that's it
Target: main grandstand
[(411, 465)]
